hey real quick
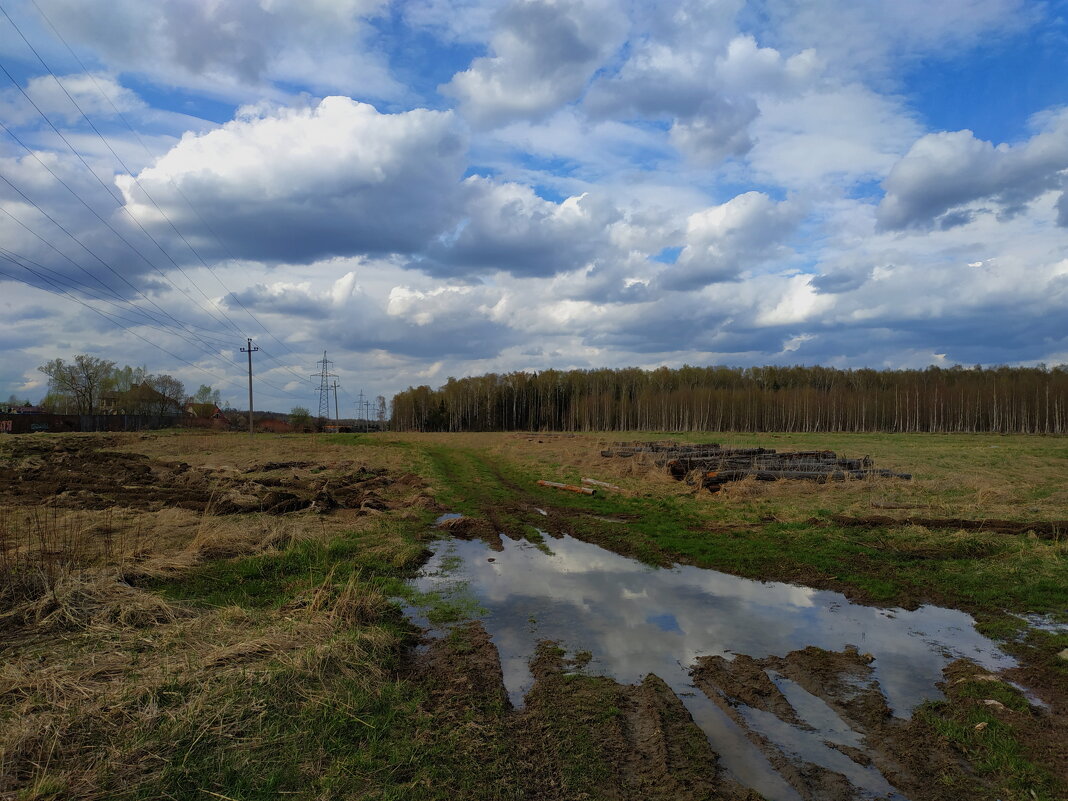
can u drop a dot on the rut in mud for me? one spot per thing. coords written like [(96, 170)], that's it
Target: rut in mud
[(578, 630)]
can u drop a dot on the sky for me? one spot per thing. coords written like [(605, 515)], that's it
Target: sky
[(442, 188)]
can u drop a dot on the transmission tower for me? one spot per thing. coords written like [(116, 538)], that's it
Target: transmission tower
[(324, 376)]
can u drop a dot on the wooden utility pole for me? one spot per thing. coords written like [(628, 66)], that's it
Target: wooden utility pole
[(249, 350)]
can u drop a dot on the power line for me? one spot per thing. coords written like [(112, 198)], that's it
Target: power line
[(93, 211), (111, 228), (147, 318), (85, 116), (87, 249), (60, 291), (206, 346), (110, 317), (170, 180), (119, 201)]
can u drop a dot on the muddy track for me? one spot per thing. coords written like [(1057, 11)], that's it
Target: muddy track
[(646, 749), (901, 751), (582, 736), (575, 737)]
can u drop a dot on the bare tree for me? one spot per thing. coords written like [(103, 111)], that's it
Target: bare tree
[(170, 394), (81, 380)]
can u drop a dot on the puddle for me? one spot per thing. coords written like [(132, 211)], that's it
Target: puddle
[(1045, 623), (637, 620), (447, 516)]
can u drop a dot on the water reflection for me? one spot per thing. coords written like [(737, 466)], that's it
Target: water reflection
[(637, 620)]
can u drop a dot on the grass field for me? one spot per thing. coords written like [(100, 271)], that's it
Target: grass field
[(167, 635)]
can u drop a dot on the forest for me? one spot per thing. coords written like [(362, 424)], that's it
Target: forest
[(1025, 400)]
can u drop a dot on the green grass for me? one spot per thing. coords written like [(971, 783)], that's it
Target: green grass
[(334, 721), (269, 580), (981, 572), (293, 732), (991, 745)]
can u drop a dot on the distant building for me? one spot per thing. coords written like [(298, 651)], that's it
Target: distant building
[(205, 411), (139, 399)]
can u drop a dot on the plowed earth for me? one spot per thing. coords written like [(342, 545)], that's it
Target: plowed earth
[(81, 473)]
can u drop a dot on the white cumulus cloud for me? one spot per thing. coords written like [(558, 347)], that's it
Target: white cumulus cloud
[(544, 52), (302, 183)]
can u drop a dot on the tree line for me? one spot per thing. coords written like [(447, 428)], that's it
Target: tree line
[(89, 385), (788, 399)]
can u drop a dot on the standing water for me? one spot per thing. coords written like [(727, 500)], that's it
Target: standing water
[(636, 619)]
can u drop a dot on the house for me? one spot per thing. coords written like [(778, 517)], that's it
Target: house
[(138, 399), (205, 411)]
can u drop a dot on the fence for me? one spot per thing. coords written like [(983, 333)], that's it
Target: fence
[(34, 423)]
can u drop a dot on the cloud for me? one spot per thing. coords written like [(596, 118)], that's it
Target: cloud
[(945, 171), (49, 97), (692, 69), (507, 227), (718, 129), (229, 47), (876, 35), (724, 240), (669, 75), (544, 53), (408, 319), (297, 184), (828, 136)]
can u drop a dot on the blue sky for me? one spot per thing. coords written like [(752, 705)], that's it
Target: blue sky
[(440, 188)]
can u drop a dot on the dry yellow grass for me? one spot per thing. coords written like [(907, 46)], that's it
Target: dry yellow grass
[(87, 657), (968, 476)]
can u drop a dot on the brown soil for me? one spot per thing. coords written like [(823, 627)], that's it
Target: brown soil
[(910, 754), (469, 528), (83, 473), (1043, 732), (583, 736), (577, 736)]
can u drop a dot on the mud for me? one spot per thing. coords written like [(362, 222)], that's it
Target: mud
[(818, 716), (732, 658), (86, 473), (576, 736), (469, 528), (1044, 529), (903, 753)]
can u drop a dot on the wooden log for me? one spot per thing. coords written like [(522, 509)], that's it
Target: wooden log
[(568, 487), (597, 483)]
